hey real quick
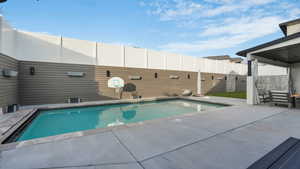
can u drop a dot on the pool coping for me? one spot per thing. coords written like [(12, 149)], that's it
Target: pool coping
[(25, 120)]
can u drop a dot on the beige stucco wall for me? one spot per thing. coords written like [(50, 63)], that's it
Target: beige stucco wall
[(292, 29)]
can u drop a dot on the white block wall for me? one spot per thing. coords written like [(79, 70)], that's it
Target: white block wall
[(37, 47), (189, 63), (135, 57), (173, 61), (8, 38), (78, 51), (30, 46), (110, 55), (269, 70), (156, 60)]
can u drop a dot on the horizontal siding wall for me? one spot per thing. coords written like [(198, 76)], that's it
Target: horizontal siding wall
[(50, 84), (149, 86), (8, 86)]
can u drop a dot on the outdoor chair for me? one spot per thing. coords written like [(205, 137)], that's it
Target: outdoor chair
[(264, 96), (295, 99), (280, 98)]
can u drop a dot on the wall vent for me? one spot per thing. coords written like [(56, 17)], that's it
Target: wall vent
[(74, 100), (174, 77), (135, 77), (9, 73), (76, 74)]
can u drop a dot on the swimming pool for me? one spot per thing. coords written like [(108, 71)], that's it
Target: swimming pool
[(60, 121)]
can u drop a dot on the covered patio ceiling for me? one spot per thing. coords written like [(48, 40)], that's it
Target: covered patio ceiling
[(287, 54), (281, 52)]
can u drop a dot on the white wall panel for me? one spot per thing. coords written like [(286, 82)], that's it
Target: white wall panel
[(220, 66), (227, 67), (42, 47), (233, 68), (156, 60), (110, 55), (200, 64), (135, 57), (270, 70), (173, 61), (8, 39), (208, 64), (243, 69), (189, 63), (38, 47), (78, 51)]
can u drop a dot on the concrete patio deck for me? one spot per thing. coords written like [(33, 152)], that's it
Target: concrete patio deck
[(226, 138)]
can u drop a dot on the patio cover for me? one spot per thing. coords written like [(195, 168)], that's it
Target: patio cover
[(281, 52)]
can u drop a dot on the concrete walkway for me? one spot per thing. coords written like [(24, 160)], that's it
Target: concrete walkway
[(226, 138)]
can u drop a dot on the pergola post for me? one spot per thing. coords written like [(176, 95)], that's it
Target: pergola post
[(199, 85), (252, 93)]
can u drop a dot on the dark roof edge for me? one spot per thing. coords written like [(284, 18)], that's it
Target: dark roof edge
[(284, 29), (290, 22), (285, 24), (274, 42)]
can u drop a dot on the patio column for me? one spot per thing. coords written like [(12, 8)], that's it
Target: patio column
[(252, 93), (199, 85)]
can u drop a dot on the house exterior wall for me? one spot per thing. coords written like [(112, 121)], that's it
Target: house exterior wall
[(292, 29), (8, 85)]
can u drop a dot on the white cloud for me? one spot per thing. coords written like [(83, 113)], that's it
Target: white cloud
[(221, 10), (198, 46), (222, 23), (174, 9), (229, 36), (262, 26), (188, 9), (258, 2)]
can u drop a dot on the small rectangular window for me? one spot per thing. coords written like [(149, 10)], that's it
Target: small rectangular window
[(107, 73), (32, 70)]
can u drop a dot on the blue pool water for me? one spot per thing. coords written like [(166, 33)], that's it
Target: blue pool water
[(54, 122)]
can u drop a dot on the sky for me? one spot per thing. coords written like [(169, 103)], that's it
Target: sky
[(190, 27)]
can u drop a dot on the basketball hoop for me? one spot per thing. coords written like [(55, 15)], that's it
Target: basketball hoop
[(117, 83)]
